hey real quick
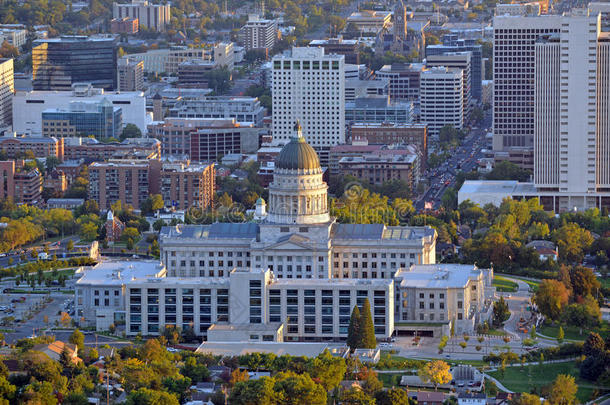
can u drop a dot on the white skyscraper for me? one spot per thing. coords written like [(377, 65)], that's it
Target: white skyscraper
[(442, 98), (309, 86), (568, 111)]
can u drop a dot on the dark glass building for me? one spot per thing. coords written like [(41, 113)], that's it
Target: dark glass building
[(57, 63), (101, 120)]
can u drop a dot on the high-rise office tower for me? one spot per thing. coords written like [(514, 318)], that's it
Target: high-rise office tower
[(442, 98), (451, 43), (459, 60), (513, 67), (57, 63), (571, 110), (309, 86), (552, 95), (7, 89)]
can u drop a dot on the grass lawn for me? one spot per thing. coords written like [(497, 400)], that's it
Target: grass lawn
[(519, 379), (390, 380), (496, 332), (605, 282), (573, 332), (504, 285)]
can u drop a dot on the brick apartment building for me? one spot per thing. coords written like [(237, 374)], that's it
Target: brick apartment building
[(184, 185), (130, 181), (17, 146), (392, 134), (22, 185)]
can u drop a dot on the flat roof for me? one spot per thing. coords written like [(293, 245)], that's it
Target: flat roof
[(119, 272), (308, 349), (438, 275)]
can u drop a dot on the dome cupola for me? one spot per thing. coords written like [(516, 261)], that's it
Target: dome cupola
[(298, 154)]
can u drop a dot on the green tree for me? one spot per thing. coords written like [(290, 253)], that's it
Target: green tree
[(152, 203), (253, 392), (393, 396), (77, 338), (501, 313), (75, 398), (7, 390), (355, 396), (131, 131), (594, 345), (327, 370), (367, 329), (526, 399), (584, 282), (560, 335), (533, 332), (354, 336), (70, 245), (145, 396), (572, 242), (298, 389), (563, 390)]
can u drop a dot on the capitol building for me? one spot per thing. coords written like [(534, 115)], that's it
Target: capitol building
[(294, 274), (297, 237)]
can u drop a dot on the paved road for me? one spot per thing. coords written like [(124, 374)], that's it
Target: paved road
[(463, 158), (28, 327)]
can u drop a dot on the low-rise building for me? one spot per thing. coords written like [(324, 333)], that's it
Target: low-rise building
[(92, 150), (379, 168), (17, 146), (350, 48), (102, 120), (167, 60), (240, 109), (14, 36), (370, 21), (65, 203), (252, 305), (29, 105), (378, 110), (124, 25), (100, 291), (392, 134), (205, 139), (56, 181)]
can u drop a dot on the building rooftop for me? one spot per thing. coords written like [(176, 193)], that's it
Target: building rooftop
[(405, 157), (121, 272), (389, 125), (279, 348), (509, 187), (29, 139), (438, 275), (380, 231)]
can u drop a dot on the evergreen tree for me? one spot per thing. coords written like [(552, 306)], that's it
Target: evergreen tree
[(367, 329), (353, 331)]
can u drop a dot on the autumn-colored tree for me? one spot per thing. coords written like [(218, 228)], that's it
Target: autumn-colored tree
[(551, 297), (238, 375), (563, 390), (435, 372)]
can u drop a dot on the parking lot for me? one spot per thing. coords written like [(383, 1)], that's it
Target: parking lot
[(19, 306)]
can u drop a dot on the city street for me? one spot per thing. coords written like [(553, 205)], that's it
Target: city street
[(463, 158)]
